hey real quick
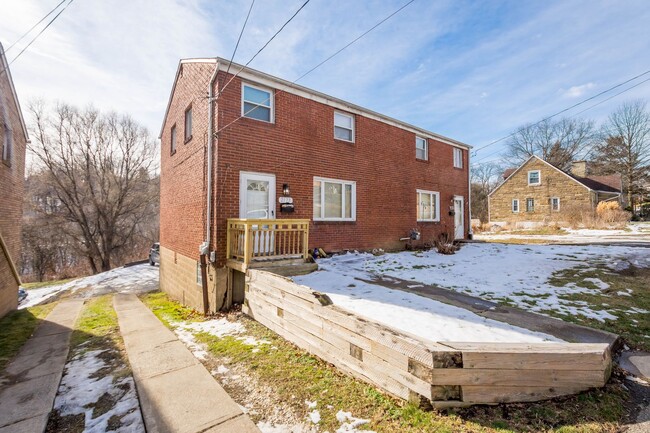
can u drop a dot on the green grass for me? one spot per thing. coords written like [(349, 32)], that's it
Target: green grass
[(296, 376), (633, 327), (97, 325), (42, 284), (16, 328)]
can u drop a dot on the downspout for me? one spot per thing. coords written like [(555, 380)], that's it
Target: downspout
[(205, 246), (470, 235)]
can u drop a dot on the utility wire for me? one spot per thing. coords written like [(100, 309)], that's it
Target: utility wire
[(564, 110), (318, 65), (34, 26), (36, 37), (240, 35), (477, 162), (263, 47)]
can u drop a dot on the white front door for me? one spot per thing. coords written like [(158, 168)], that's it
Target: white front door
[(257, 201), (459, 217)]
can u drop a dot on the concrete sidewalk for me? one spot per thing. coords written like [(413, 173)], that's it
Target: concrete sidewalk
[(31, 380), (177, 393)]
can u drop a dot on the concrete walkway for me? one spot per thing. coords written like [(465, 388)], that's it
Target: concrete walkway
[(177, 393), (31, 380)]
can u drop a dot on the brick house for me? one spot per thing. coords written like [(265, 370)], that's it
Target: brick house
[(538, 192), (328, 173), (13, 139)]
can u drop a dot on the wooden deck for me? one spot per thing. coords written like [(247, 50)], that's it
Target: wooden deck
[(446, 374)]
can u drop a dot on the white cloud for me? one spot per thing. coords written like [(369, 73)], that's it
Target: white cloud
[(577, 91)]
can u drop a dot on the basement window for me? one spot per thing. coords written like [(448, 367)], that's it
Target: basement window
[(257, 103), (344, 127), (421, 148), (515, 205), (427, 205), (534, 178), (334, 200)]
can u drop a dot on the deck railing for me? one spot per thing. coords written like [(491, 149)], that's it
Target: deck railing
[(251, 240)]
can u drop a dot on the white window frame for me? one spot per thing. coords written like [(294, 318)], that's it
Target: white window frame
[(351, 116), (527, 208), (353, 213), (173, 139), (558, 204), (187, 137), (426, 148), (539, 178), (436, 217), (515, 201), (271, 102), (458, 157)]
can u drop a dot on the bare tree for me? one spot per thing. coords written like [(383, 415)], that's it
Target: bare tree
[(625, 147), (100, 168), (484, 178), (556, 142)]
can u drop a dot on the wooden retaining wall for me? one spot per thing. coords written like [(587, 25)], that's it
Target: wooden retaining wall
[(446, 374)]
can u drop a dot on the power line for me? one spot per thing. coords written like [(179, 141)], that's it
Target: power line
[(564, 110), (320, 64), (263, 47), (240, 35), (36, 37), (34, 26)]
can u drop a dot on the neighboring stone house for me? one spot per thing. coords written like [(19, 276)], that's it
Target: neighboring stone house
[(13, 139), (539, 192), (259, 147)]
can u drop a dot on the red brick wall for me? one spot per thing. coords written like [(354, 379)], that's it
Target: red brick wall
[(297, 147), (12, 174), (301, 145)]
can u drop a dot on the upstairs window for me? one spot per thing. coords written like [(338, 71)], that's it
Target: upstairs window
[(421, 148), (530, 205), (555, 204), (515, 205), (344, 127), (458, 157), (188, 124), (334, 200), (534, 178), (172, 140), (7, 137), (257, 103), (428, 205)]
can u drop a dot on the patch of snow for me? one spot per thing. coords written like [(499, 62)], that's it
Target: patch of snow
[(314, 416), (217, 327), (311, 404), (267, 427), (627, 292), (349, 423), (598, 283), (81, 388), (222, 369)]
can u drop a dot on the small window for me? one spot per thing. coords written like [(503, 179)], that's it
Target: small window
[(7, 137), (421, 148), (428, 205), (534, 177), (199, 276), (334, 200), (188, 124), (257, 103), (458, 157), (515, 205), (530, 205), (172, 141), (555, 204), (344, 127)]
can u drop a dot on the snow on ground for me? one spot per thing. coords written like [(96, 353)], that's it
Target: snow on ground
[(518, 273), (633, 233), (84, 390), (134, 279)]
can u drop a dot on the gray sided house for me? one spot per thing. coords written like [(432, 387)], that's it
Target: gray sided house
[(538, 192)]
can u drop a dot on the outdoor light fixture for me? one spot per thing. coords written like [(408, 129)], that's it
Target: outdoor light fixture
[(285, 189)]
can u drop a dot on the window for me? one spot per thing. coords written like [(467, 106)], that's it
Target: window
[(428, 205), (458, 157), (555, 204), (515, 205), (343, 126), (334, 200), (530, 205), (172, 140), (421, 148), (257, 103), (534, 177), (188, 124), (7, 137)]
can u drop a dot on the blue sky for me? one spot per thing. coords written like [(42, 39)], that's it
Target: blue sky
[(473, 71)]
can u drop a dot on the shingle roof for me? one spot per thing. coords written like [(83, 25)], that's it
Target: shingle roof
[(508, 171), (610, 183)]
